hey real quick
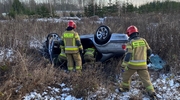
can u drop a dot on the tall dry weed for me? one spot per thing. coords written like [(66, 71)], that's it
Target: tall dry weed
[(31, 70)]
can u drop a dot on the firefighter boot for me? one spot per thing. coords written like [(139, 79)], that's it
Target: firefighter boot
[(153, 96), (123, 89)]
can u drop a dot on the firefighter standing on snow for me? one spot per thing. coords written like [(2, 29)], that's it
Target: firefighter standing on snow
[(72, 47), (135, 59)]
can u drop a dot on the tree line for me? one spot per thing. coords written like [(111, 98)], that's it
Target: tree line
[(85, 7)]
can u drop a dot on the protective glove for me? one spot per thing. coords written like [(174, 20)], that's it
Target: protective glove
[(148, 60), (81, 51), (122, 69), (62, 56), (124, 66)]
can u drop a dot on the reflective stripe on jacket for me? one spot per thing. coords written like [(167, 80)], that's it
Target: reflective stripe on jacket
[(70, 38), (90, 52), (138, 48)]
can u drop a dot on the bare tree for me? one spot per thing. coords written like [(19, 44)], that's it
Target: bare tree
[(101, 3), (119, 4), (5, 5), (83, 3), (32, 4), (49, 2), (93, 2)]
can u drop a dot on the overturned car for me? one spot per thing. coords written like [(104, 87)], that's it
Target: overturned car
[(107, 44)]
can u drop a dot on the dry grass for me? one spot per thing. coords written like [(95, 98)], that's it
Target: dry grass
[(31, 70)]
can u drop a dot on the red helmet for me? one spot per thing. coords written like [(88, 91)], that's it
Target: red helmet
[(71, 24), (131, 29)]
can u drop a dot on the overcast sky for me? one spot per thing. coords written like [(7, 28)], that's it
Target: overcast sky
[(135, 2), (139, 2)]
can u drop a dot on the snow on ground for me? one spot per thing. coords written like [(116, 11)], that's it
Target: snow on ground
[(53, 91), (62, 19), (6, 54), (166, 87)]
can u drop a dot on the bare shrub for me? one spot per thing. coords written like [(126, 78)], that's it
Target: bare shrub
[(31, 70), (25, 75)]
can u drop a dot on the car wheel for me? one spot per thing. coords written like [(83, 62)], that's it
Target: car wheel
[(50, 40), (102, 35), (50, 37)]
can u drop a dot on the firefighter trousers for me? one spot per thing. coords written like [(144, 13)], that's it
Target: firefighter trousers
[(144, 76), (74, 59)]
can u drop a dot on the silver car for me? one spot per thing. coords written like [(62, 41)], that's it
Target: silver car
[(107, 44)]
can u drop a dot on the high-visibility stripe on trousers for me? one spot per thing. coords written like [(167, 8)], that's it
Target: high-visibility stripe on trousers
[(144, 76), (74, 59)]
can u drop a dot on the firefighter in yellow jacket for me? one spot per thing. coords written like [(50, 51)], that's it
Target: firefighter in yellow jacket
[(135, 60), (89, 55), (72, 47)]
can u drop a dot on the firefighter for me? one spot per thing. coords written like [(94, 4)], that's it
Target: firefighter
[(62, 59), (62, 56), (89, 55), (137, 53), (72, 47)]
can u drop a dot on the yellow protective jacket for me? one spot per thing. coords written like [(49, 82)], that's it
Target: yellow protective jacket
[(72, 43), (89, 52), (136, 55)]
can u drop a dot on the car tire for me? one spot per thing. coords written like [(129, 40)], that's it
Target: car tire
[(102, 35), (53, 35), (50, 40)]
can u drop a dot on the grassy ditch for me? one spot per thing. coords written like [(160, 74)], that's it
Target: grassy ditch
[(30, 69)]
